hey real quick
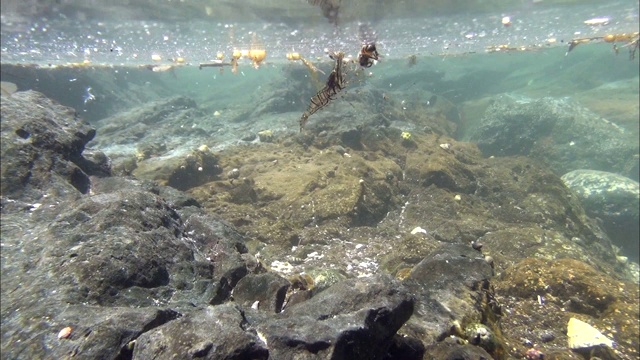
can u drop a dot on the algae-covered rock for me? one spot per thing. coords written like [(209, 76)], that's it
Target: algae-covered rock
[(541, 296), (441, 168), (181, 171)]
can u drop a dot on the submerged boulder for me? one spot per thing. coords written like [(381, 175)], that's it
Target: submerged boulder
[(42, 145), (452, 288), (353, 319), (181, 171), (215, 332), (614, 199), (559, 132)]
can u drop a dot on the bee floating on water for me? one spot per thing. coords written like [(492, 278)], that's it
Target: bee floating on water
[(368, 55)]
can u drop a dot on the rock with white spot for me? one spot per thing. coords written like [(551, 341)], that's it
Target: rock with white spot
[(417, 230), (582, 335)]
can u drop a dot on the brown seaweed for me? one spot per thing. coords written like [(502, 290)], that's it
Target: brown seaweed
[(335, 83)]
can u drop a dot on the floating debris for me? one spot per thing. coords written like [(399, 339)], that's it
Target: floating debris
[(631, 39), (257, 56), (214, 63), (597, 21), (158, 68)]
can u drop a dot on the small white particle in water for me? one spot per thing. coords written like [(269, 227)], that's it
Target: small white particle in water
[(418, 229), (262, 338), (572, 143), (199, 168)]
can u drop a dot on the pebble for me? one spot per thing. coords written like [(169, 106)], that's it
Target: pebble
[(233, 174), (65, 333)]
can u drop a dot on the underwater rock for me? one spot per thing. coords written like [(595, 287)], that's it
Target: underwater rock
[(121, 128), (215, 332), (446, 282), (582, 335), (121, 250), (96, 332), (452, 348), (542, 295), (268, 289), (181, 171), (353, 319), (443, 169), (560, 132), (613, 199), (481, 335), (42, 145)]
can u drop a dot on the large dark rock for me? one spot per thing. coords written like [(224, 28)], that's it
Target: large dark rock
[(110, 252), (452, 350), (268, 290), (106, 259), (42, 144), (452, 285), (559, 132), (614, 199), (215, 332), (96, 332), (354, 319)]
